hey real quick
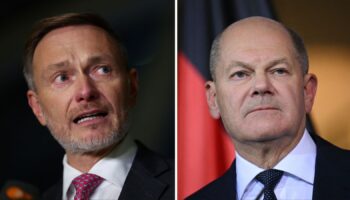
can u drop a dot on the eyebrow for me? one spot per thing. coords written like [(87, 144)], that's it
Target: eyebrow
[(58, 65), (99, 59), (91, 61), (51, 68), (278, 61), (236, 63)]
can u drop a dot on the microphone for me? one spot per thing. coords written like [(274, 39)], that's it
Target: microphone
[(17, 190)]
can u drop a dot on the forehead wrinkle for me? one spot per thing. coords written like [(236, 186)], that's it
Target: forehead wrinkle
[(235, 64), (277, 61), (100, 58), (58, 65)]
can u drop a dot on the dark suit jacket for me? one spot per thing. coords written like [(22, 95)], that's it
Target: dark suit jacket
[(151, 177), (332, 176)]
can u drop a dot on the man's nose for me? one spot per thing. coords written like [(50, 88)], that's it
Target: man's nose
[(86, 89), (261, 85)]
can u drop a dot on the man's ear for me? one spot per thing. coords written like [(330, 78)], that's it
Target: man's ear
[(36, 107), (310, 88), (211, 99), (133, 86)]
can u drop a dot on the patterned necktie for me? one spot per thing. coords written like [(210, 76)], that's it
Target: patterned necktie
[(269, 178), (85, 185)]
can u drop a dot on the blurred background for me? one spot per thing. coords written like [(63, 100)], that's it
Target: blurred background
[(28, 152), (324, 25)]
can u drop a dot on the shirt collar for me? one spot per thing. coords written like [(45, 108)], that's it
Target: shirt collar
[(120, 158), (300, 162), (246, 172)]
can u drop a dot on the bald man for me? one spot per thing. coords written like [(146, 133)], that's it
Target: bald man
[(262, 91)]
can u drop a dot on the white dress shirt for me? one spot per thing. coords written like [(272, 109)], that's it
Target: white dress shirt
[(113, 168), (297, 180)]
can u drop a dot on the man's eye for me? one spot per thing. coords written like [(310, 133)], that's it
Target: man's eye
[(61, 78), (104, 69), (280, 71), (239, 75)]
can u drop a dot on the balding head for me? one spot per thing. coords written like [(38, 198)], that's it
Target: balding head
[(256, 32)]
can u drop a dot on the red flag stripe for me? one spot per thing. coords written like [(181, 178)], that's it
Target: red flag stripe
[(204, 150)]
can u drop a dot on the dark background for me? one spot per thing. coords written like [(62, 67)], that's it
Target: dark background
[(28, 152)]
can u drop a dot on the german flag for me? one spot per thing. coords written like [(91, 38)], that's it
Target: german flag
[(205, 151)]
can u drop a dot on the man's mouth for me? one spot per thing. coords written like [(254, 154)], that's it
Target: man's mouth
[(262, 108), (89, 116)]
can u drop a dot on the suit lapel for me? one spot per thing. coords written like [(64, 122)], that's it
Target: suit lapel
[(149, 178), (331, 172), (223, 188), (226, 187), (142, 181)]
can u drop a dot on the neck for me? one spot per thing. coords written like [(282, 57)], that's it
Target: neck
[(267, 154), (85, 161)]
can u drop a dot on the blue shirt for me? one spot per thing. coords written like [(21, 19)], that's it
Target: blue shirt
[(297, 181)]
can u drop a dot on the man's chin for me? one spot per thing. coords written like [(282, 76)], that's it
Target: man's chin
[(89, 139), (265, 138), (260, 135), (91, 143)]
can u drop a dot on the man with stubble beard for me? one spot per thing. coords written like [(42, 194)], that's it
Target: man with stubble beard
[(81, 88)]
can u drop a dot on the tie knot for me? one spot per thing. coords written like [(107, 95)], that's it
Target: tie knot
[(270, 177), (85, 184)]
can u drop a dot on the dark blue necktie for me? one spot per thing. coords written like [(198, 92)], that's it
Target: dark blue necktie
[(269, 178)]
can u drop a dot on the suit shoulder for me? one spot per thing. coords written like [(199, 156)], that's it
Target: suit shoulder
[(205, 192), (332, 152), (155, 163), (54, 192), (150, 174), (221, 188)]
